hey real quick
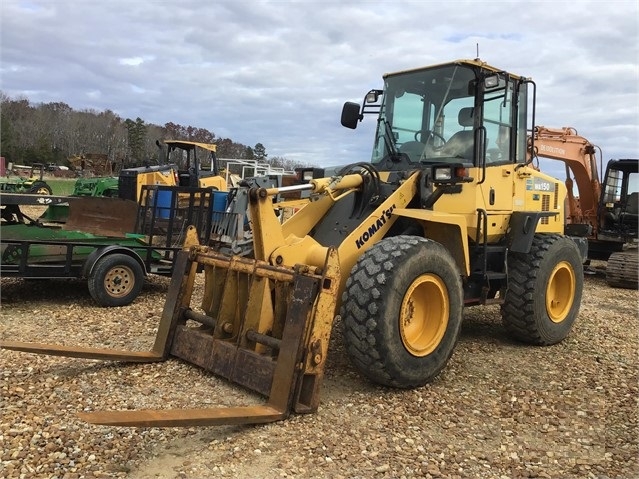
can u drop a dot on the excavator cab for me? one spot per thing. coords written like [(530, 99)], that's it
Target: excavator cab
[(619, 202)]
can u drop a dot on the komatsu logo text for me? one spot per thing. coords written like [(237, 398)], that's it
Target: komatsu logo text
[(374, 228)]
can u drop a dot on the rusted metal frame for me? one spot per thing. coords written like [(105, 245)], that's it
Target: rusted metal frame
[(290, 358), (231, 303), (173, 331), (225, 355), (178, 299), (242, 345), (307, 395), (244, 265)]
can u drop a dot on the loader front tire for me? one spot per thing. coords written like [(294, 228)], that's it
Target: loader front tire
[(402, 311), (116, 280), (544, 291)]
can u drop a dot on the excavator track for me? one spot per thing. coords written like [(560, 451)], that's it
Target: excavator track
[(622, 270)]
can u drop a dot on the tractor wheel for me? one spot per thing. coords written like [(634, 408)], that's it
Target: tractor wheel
[(116, 280), (40, 188), (544, 291), (402, 311)]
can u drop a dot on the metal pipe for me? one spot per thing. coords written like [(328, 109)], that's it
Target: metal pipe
[(200, 318), (287, 189), (260, 338)]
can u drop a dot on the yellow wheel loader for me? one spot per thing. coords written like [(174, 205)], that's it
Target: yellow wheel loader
[(179, 165), (447, 214)]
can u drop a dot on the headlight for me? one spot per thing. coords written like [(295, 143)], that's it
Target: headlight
[(450, 174), (443, 174)]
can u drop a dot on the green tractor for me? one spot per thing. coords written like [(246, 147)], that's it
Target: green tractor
[(33, 184), (99, 186)]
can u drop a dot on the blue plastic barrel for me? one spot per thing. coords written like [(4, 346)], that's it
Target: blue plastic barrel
[(163, 204), (219, 200)]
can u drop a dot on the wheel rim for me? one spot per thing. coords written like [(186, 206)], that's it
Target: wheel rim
[(424, 315), (560, 292), (119, 281), (42, 191)]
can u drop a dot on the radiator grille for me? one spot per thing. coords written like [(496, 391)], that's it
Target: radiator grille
[(545, 206)]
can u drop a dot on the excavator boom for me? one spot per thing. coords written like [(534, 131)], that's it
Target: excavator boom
[(579, 156)]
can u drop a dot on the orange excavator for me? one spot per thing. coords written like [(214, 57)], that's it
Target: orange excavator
[(605, 210)]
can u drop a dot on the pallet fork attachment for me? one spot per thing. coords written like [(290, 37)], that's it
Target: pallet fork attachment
[(264, 327)]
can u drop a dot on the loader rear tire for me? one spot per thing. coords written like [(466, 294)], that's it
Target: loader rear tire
[(544, 290), (116, 280), (402, 311)]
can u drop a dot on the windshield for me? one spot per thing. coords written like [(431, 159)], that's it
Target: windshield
[(428, 115)]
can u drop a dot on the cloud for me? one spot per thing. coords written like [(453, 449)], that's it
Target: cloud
[(278, 72)]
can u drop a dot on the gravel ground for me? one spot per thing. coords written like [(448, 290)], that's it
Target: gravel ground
[(499, 410)]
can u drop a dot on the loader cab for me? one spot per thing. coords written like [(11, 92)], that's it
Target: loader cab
[(462, 112)]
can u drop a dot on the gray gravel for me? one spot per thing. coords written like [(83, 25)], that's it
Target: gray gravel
[(499, 410)]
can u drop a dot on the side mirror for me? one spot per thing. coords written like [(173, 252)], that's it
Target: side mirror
[(351, 115)]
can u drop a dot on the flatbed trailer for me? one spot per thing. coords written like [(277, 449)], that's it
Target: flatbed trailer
[(111, 243)]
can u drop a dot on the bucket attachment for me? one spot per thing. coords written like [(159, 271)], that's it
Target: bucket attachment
[(264, 327)]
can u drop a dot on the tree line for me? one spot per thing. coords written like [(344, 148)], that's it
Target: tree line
[(51, 133)]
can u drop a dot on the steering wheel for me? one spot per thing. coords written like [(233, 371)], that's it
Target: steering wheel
[(428, 135)]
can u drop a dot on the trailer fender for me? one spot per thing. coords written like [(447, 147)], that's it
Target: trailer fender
[(100, 253)]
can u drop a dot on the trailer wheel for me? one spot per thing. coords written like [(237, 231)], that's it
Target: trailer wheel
[(116, 280), (40, 188), (402, 311), (544, 291)]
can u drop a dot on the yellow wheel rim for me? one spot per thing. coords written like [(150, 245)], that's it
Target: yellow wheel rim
[(560, 292), (424, 315), (119, 281), (42, 191)]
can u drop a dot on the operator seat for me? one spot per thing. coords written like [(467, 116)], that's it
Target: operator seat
[(461, 144)]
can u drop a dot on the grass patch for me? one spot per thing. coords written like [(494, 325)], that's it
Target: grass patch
[(61, 186)]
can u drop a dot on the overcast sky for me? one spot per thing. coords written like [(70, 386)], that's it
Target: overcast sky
[(278, 72)]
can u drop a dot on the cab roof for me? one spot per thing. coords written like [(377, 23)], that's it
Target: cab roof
[(472, 63), (190, 145)]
